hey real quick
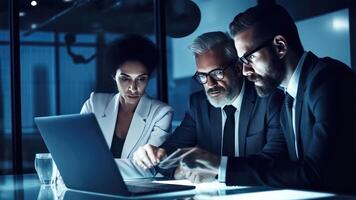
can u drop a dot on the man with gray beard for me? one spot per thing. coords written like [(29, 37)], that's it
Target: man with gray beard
[(227, 117)]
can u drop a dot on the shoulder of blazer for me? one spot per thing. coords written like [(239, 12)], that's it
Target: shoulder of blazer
[(101, 100), (197, 98), (152, 107), (317, 69), (158, 105), (313, 67), (331, 66)]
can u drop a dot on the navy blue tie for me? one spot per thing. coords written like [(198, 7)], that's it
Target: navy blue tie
[(289, 106), (229, 132)]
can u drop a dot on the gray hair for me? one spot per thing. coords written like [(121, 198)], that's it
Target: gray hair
[(212, 40)]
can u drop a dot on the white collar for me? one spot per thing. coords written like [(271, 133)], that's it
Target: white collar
[(292, 87)]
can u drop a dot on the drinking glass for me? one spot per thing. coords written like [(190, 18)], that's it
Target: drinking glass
[(46, 168)]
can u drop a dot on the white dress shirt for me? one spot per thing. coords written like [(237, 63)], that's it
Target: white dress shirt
[(237, 104), (292, 90)]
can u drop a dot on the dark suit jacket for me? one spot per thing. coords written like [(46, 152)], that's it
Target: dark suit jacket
[(325, 123), (259, 127)]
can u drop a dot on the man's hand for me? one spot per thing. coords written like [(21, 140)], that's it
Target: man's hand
[(194, 177), (148, 156), (201, 162)]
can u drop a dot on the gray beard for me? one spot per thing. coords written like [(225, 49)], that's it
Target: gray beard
[(222, 101), (218, 103)]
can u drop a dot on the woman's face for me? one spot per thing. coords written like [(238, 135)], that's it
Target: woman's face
[(131, 80)]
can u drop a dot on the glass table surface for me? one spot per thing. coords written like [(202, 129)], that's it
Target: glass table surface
[(27, 186)]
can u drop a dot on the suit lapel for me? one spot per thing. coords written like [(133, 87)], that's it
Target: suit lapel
[(289, 137), (298, 108), (137, 126), (215, 124), (309, 62), (245, 114), (108, 119)]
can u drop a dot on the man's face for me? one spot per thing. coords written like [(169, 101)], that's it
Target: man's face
[(222, 92), (264, 68)]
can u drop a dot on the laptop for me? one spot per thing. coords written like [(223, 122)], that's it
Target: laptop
[(85, 161)]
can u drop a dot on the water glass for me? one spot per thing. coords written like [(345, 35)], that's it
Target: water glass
[(46, 168)]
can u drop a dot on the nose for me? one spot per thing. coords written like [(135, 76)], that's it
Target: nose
[(211, 81), (247, 70), (133, 87)]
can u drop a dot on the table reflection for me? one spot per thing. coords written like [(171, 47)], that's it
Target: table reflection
[(28, 187), (47, 192)]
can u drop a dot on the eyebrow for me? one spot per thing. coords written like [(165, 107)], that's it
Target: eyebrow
[(123, 74)]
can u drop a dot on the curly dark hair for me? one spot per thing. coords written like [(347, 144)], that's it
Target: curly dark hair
[(131, 47)]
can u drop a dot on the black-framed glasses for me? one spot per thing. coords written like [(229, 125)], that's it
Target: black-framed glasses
[(246, 58), (216, 74)]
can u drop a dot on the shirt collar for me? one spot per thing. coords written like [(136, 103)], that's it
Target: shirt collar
[(293, 83)]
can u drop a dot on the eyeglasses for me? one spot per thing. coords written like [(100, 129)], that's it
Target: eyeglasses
[(216, 74), (246, 58)]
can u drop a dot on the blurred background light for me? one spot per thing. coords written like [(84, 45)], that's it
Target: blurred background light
[(340, 24), (33, 3)]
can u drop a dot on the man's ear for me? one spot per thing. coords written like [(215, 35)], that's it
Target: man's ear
[(280, 46)]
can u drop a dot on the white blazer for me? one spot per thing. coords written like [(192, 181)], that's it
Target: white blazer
[(151, 124)]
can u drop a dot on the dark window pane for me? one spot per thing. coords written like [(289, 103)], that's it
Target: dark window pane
[(62, 57), (5, 93)]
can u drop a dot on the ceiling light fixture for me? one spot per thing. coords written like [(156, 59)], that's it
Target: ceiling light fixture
[(33, 3)]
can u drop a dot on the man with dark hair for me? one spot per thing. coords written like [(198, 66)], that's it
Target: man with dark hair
[(227, 117), (318, 116)]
